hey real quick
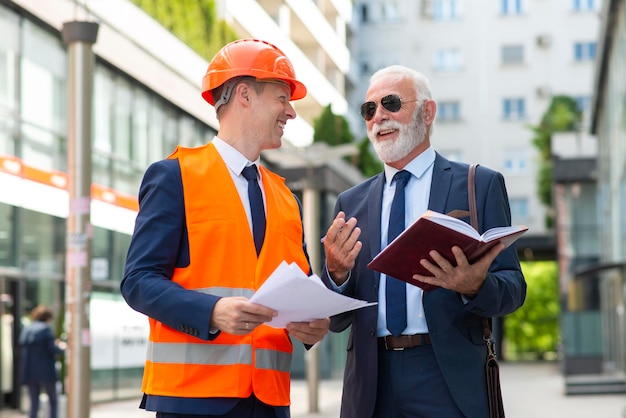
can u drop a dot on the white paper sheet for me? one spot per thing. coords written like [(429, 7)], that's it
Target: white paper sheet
[(300, 298)]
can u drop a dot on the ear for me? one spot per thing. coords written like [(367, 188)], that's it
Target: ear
[(242, 93), (429, 110)]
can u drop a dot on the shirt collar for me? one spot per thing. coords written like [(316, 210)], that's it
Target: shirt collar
[(417, 167), (234, 160)]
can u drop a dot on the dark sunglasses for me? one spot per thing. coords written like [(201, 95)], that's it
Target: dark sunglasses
[(392, 103)]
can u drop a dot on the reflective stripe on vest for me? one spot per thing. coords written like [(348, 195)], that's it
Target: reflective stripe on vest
[(218, 355), (223, 262)]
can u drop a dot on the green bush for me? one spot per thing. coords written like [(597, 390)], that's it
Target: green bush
[(532, 332)]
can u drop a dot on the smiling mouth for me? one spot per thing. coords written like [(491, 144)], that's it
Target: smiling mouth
[(384, 132)]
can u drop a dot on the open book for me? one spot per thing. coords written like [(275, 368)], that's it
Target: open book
[(436, 231)]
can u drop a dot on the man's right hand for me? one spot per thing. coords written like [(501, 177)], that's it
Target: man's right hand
[(341, 246), (237, 315)]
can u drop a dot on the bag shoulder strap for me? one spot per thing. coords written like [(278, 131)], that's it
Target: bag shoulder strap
[(471, 193)]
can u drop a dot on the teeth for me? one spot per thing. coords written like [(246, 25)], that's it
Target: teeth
[(385, 131), (281, 124)]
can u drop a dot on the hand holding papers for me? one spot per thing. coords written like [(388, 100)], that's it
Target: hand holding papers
[(299, 298)]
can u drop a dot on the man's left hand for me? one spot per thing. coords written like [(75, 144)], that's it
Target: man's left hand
[(465, 278), (309, 332)]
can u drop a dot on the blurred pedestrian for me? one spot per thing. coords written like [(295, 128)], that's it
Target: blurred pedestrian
[(39, 352)]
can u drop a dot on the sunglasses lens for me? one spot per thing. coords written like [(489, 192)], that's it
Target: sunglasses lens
[(392, 103), (368, 109)]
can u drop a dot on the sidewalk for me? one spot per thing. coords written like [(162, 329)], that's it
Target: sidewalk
[(530, 390)]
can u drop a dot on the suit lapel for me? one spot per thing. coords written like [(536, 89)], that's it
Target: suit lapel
[(375, 203), (441, 183)]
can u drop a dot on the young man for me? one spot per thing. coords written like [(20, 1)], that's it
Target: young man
[(417, 354), (211, 227)]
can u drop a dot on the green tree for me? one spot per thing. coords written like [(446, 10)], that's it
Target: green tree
[(562, 115), (193, 21), (368, 161), (335, 130), (533, 330)]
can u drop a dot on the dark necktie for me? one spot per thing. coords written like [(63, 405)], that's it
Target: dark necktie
[(256, 206), (396, 289)]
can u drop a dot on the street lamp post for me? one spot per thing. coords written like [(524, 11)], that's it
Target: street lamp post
[(79, 36)]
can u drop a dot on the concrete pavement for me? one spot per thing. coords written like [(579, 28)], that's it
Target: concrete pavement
[(530, 390)]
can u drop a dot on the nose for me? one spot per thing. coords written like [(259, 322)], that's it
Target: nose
[(290, 112)]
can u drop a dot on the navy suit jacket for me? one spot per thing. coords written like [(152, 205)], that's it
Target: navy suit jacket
[(158, 246), (455, 325)]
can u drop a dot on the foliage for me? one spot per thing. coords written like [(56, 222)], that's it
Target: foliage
[(335, 130), (368, 162), (332, 129), (193, 21), (533, 330), (562, 115)]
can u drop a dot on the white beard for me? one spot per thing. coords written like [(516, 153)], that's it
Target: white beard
[(409, 137)]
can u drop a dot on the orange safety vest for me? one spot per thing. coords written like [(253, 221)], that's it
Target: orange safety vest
[(223, 261)]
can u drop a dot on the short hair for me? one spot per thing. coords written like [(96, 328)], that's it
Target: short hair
[(41, 313), (420, 81)]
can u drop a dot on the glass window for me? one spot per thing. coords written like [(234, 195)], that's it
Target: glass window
[(141, 127), (447, 60), (8, 57), (122, 120), (389, 12), (584, 5), (43, 81), (103, 105), (515, 161), (513, 54), (43, 91), (364, 13), (448, 111), (511, 7), (513, 109), (157, 133), (519, 209), (42, 245), (446, 9), (43, 149), (583, 102), (584, 51), (7, 235), (7, 134)]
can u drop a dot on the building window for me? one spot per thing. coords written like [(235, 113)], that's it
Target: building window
[(515, 161), (446, 9), (513, 109), (512, 7), (584, 51), (512, 54), (448, 60), (519, 209), (389, 12), (448, 111), (583, 103), (364, 13), (584, 5)]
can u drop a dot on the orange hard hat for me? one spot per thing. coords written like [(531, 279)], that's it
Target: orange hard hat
[(250, 57)]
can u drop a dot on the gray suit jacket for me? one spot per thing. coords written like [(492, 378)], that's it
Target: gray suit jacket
[(454, 326)]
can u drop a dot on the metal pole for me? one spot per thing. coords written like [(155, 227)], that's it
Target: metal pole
[(79, 36), (311, 215)]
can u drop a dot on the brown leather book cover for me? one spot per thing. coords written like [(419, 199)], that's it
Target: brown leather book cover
[(436, 231)]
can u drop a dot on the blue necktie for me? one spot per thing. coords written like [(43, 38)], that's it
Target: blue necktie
[(256, 206), (396, 289)]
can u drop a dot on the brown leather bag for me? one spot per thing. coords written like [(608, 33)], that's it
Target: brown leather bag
[(492, 369)]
